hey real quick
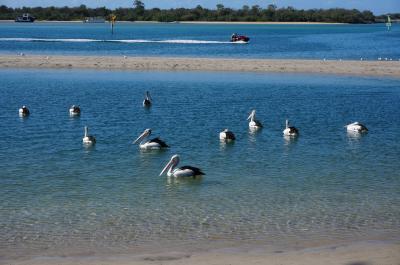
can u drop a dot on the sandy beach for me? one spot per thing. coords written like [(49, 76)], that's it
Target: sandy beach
[(368, 68), (362, 253)]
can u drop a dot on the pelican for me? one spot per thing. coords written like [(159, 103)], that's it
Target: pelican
[(147, 100), (74, 110), (24, 111), (356, 127), (254, 124), (185, 171), (290, 130), (88, 139), (155, 143), (226, 135)]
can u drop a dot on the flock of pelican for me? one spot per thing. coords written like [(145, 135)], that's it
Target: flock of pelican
[(157, 143)]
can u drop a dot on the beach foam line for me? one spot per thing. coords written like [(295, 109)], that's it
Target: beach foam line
[(172, 41)]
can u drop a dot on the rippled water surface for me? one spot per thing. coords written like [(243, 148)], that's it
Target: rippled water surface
[(56, 196), (204, 40)]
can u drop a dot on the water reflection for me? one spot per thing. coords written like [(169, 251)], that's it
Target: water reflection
[(191, 181), (355, 136), (224, 145), (253, 132), (290, 140), (88, 147)]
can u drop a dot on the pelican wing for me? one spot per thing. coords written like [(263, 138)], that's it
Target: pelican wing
[(293, 130), (197, 171), (159, 141), (230, 135), (258, 123)]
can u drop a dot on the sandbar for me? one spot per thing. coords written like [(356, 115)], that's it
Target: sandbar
[(340, 67)]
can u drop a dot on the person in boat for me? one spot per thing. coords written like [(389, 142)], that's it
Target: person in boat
[(234, 36)]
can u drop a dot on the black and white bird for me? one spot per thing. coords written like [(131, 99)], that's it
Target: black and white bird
[(23, 111), (226, 135), (147, 100), (290, 130), (185, 171), (356, 127), (74, 110), (155, 143), (88, 139), (254, 124)]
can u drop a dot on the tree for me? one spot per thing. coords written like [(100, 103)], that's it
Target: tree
[(138, 7)]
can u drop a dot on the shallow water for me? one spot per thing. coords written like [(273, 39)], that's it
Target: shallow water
[(56, 196), (202, 40)]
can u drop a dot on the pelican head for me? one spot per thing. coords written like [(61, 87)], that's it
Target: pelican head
[(287, 123), (172, 163), (145, 134), (148, 95), (252, 115), (147, 100)]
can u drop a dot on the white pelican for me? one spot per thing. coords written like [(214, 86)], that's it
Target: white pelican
[(88, 139), (254, 124), (147, 100), (356, 127), (155, 143), (290, 130), (185, 171), (74, 110), (23, 111), (226, 135)]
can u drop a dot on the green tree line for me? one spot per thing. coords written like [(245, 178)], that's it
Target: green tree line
[(138, 12)]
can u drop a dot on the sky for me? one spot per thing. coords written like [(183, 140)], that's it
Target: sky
[(376, 6)]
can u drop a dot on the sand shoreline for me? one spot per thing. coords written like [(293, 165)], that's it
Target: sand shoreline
[(197, 22), (363, 68), (360, 253)]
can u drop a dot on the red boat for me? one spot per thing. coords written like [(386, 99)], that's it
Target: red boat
[(239, 38)]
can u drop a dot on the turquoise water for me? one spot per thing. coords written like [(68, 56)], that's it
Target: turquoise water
[(59, 197), (146, 39)]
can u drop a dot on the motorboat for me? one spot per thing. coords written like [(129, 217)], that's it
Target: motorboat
[(239, 38)]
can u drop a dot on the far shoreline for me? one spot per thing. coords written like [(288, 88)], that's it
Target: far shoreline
[(187, 22), (130, 63)]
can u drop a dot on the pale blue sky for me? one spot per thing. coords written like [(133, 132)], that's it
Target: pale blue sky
[(376, 6)]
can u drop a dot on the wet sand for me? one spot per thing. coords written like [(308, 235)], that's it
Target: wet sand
[(362, 253), (345, 67)]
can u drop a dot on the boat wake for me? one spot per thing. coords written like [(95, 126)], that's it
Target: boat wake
[(172, 41)]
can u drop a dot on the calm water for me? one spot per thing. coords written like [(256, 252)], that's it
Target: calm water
[(58, 197), (267, 41)]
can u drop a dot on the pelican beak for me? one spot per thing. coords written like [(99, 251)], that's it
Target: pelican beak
[(144, 134), (253, 112), (166, 167)]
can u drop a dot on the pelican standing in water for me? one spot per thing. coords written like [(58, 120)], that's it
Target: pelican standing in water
[(290, 130), (155, 143), (23, 111), (88, 139), (147, 100), (356, 127), (226, 135), (74, 110), (185, 171), (254, 124)]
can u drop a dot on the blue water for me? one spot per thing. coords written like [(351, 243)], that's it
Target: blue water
[(58, 197), (146, 39)]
